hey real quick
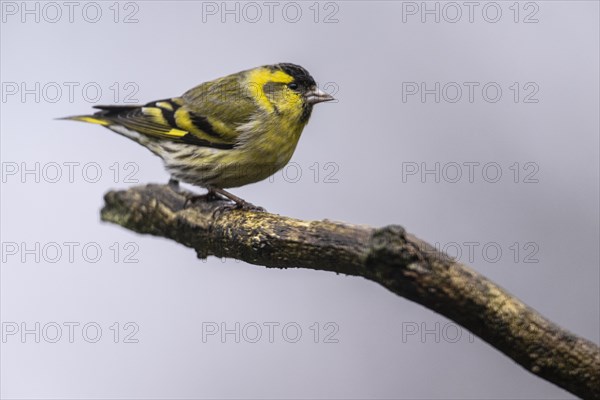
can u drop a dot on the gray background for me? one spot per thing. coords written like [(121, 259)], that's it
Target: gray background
[(369, 133)]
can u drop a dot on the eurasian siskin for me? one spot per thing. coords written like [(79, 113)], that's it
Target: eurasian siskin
[(225, 133)]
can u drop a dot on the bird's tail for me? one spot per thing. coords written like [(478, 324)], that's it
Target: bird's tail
[(108, 117), (92, 119), (101, 117)]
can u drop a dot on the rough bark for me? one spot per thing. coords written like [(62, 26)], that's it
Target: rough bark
[(389, 256)]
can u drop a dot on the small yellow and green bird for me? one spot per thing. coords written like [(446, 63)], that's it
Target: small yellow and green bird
[(225, 133)]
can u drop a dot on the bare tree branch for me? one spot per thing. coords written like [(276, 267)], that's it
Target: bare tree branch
[(389, 256)]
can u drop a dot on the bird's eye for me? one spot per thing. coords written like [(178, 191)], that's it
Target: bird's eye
[(293, 86)]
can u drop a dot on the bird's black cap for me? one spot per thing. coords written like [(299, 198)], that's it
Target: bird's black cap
[(300, 75)]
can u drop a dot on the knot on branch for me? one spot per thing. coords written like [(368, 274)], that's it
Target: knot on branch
[(390, 248)]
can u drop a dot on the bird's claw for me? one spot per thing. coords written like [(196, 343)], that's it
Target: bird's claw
[(248, 207), (244, 206), (217, 195), (190, 199)]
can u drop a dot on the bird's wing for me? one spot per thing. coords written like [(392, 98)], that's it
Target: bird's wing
[(226, 102), (208, 115), (170, 119)]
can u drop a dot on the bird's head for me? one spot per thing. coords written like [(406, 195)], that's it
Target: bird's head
[(286, 89)]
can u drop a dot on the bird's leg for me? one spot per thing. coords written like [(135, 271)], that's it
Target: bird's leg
[(212, 195), (215, 194), (239, 202), (216, 191)]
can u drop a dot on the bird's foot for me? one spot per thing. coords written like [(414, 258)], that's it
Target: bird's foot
[(190, 198), (245, 206), (239, 203), (174, 185), (216, 194)]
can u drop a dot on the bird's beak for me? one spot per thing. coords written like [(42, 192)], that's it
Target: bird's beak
[(316, 95)]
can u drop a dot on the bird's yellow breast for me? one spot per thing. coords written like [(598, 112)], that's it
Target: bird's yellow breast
[(272, 144)]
